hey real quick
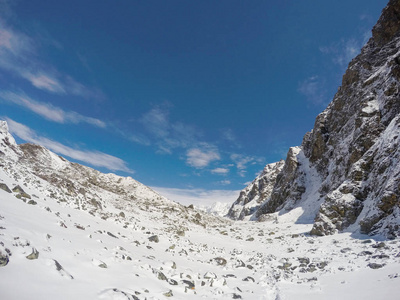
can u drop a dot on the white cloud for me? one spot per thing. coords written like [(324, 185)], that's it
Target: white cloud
[(242, 161), (165, 134), (199, 158), (220, 171), (224, 182), (156, 122), (19, 55), (94, 158), (314, 89), (344, 51), (198, 196), (229, 135), (45, 82), (140, 139), (49, 111)]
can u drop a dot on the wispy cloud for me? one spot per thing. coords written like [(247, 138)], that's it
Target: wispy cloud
[(198, 196), (345, 50), (220, 171), (164, 133), (48, 111), (229, 135), (94, 158), (200, 158), (242, 162), (44, 82), (224, 182), (19, 55), (314, 89)]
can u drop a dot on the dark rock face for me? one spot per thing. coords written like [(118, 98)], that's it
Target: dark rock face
[(353, 147), (255, 193)]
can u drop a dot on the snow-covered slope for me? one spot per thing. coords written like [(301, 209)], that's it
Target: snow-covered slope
[(70, 232), (345, 175)]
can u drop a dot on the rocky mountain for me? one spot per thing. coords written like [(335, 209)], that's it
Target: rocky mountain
[(346, 173), (254, 194)]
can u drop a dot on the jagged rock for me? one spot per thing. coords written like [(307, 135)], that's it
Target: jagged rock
[(33, 255), (286, 185), (348, 165), (168, 294), (172, 281), (249, 278), (20, 192), (375, 265), (160, 275), (61, 270), (255, 193), (112, 235), (3, 259), (4, 187), (189, 284), (210, 275), (154, 238), (220, 261), (180, 233)]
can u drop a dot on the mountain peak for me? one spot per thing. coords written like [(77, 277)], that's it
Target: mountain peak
[(348, 167)]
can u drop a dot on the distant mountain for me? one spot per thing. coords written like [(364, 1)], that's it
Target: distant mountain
[(346, 173)]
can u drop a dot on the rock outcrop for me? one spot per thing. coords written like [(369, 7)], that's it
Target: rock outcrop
[(252, 196), (352, 153)]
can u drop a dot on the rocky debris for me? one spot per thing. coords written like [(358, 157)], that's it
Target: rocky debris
[(4, 187), (220, 261), (375, 266), (112, 235), (154, 238), (168, 294), (4, 259), (61, 270), (33, 255), (20, 192)]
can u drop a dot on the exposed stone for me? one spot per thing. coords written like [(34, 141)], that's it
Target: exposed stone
[(220, 261), (3, 259), (4, 187), (154, 238), (33, 255), (375, 265)]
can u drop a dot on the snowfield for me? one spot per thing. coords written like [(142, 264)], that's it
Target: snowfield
[(155, 254), (70, 232)]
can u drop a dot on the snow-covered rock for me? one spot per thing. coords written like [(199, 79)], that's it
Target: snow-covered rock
[(348, 165), (256, 192)]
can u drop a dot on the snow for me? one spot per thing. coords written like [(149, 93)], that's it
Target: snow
[(88, 252)]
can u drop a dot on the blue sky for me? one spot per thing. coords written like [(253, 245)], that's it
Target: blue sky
[(189, 97)]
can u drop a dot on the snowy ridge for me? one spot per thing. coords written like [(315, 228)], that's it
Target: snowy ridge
[(342, 172)]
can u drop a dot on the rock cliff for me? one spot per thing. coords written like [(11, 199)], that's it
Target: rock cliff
[(348, 166), (253, 195)]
